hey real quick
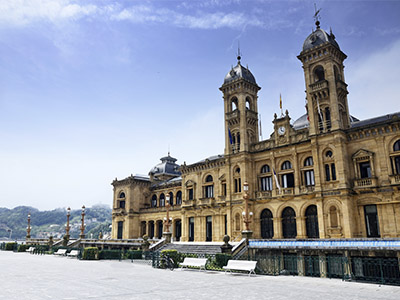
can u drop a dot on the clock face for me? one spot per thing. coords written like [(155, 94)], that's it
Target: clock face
[(281, 130)]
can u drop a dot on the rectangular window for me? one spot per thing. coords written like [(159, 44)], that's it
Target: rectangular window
[(190, 194), (208, 229), (309, 177), (191, 229), (327, 173), (288, 180), (238, 187), (266, 183), (226, 224), (365, 170), (333, 169), (209, 191)]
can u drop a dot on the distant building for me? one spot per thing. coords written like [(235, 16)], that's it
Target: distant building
[(325, 175)]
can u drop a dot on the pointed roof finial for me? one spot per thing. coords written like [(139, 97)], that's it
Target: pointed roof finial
[(317, 17), (239, 53)]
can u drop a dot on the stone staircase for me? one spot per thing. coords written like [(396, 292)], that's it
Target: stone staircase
[(193, 247)]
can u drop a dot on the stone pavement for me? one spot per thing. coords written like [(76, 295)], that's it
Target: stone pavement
[(27, 276)]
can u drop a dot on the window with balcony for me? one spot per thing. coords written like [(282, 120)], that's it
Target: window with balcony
[(287, 178), (363, 161), (265, 179)]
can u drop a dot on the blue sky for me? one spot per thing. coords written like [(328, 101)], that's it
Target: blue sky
[(93, 90)]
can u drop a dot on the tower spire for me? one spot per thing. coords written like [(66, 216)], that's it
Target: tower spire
[(317, 17), (239, 54)]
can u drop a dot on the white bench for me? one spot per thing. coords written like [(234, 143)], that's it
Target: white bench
[(73, 253), (241, 265), (61, 252), (194, 262), (31, 249)]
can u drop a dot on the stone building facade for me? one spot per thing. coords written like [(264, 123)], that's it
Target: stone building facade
[(325, 175)]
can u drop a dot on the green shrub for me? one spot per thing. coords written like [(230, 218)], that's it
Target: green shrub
[(110, 254), (10, 246), (41, 249), (90, 253), (134, 254), (221, 259), (23, 247), (174, 254)]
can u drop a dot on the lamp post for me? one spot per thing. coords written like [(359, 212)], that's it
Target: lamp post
[(28, 229), (82, 235), (167, 221), (247, 216), (67, 227)]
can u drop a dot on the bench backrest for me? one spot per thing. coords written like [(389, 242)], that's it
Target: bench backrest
[(247, 264), (196, 261), (74, 252), (61, 251)]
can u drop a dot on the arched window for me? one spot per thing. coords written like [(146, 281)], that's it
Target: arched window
[(312, 222), (287, 178), (162, 200), (234, 104), (121, 195), (308, 161), (319, 74), (289, 229), (179, 198), (287, 165), (267, 224), (237, 181), (154, 201), (265, 169), (396, 146), (308, 172), (209, 187), (248, 105), (171, 198), (396, 158), (265, 178)]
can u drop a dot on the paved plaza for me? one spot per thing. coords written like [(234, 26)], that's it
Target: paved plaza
[(27, 276)]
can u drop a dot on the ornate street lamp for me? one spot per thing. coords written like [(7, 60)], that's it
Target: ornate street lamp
[(67, 227), (82, 235), (28, 229), (247, 216), (167, 221)]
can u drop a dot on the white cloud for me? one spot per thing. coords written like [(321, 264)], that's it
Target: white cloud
[(373, 83), (23, 12)]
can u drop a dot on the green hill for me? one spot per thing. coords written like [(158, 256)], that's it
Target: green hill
[(52, 222)]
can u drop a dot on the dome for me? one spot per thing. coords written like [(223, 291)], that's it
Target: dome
[(239, 72), (167, 166), (319, 37)]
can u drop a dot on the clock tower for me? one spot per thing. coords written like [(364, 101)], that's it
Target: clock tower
[(282, 129)]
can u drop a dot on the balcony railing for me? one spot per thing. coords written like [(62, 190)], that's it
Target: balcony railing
[(188, 203), (263, 194), (364, 182), (395, 179), (320, 85), (206, 201), (307, 189)]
